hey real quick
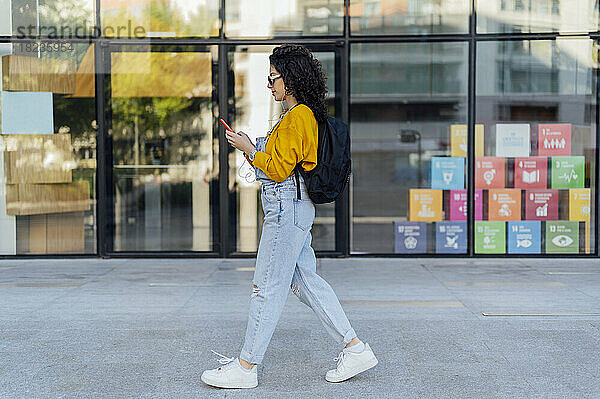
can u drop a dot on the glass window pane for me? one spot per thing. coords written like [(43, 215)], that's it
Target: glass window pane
[(159, 18), (408, 116), (522, 16), (253, 111), (5, 18), (271, 18), (48, 157), (535, 160), (165, 159), (409, 17), (48, 18)]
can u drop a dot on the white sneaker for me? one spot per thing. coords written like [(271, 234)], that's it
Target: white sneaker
[(231, 375), (349, 364)]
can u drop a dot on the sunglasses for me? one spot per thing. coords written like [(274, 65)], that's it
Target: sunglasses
[(272, 79)]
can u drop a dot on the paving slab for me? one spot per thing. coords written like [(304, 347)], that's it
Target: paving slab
[(144, 328)]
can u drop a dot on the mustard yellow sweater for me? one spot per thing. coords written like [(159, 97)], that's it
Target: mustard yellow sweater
[(294, 140)]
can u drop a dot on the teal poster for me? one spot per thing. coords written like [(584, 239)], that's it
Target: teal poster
[(448, 173), (568, 172), (562, 237)]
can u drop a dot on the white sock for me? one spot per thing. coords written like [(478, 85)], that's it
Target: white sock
[(357, 348)]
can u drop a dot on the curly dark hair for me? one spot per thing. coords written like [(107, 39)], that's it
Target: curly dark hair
[(303, 76)]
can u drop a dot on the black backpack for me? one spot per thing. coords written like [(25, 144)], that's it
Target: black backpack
[(327, 181)]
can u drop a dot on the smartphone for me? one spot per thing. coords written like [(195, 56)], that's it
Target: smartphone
[(226, 125)]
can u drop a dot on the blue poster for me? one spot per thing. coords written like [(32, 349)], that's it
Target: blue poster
[(410, 237), (26, 112), (451, 237), (525, 237), (448, 173)]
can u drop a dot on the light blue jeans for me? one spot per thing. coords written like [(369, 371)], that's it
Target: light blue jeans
[(286, 259)]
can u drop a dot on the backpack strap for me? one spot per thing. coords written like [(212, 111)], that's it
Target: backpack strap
[(297, 181)]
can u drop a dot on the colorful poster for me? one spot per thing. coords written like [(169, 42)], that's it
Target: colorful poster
[(478, 204), (562, 237), (451, 237), (504, 204), (554, 139), (524, 237), (541, 204), (458, 140), (425, 205), (27, 112), (531, 172), (458, 205), (447, 173), (580, 204), (410, 237), (479, 140), (568, 172), (490, 237), (512, 140), (489, 172)]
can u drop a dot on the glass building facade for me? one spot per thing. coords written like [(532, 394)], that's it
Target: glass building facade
[(474, 125)]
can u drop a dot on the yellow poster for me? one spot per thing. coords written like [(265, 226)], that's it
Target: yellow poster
[(425, 205), (587, 237), (579, 204), (479, 133), (459, 138)]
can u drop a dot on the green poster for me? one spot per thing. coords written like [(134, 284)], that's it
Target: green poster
[(562, 237), (490, 237), (568, 172)]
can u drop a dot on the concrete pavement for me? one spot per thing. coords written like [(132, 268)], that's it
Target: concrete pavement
[(143, 328)]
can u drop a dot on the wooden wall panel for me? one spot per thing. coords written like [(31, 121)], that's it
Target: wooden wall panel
[(21, 73), (35, 199), (39, 158), (37, 234), (55, 233), (65, 233)]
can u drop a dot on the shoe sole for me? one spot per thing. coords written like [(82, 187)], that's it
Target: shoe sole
[(370, 364), (229, 385)]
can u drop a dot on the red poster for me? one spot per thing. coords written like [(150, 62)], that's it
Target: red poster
[(489, 172), (541, 204), (554, 139), (531, 172)]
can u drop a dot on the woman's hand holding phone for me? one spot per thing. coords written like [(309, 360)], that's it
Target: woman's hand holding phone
[(239, 140)]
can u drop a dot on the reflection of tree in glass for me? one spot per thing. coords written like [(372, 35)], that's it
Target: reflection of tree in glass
[(172, 126), (163, 16), (161, 111), (60, 18)]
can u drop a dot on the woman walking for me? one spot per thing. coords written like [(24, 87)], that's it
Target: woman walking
[(285, 257)]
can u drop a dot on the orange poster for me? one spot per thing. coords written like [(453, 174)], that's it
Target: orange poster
[(504, 204), (425, 205), (579, 204)]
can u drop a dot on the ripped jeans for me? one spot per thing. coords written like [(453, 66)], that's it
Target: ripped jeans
[(285, 260)]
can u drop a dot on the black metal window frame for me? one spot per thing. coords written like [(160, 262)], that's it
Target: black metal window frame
[(341, 45)]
